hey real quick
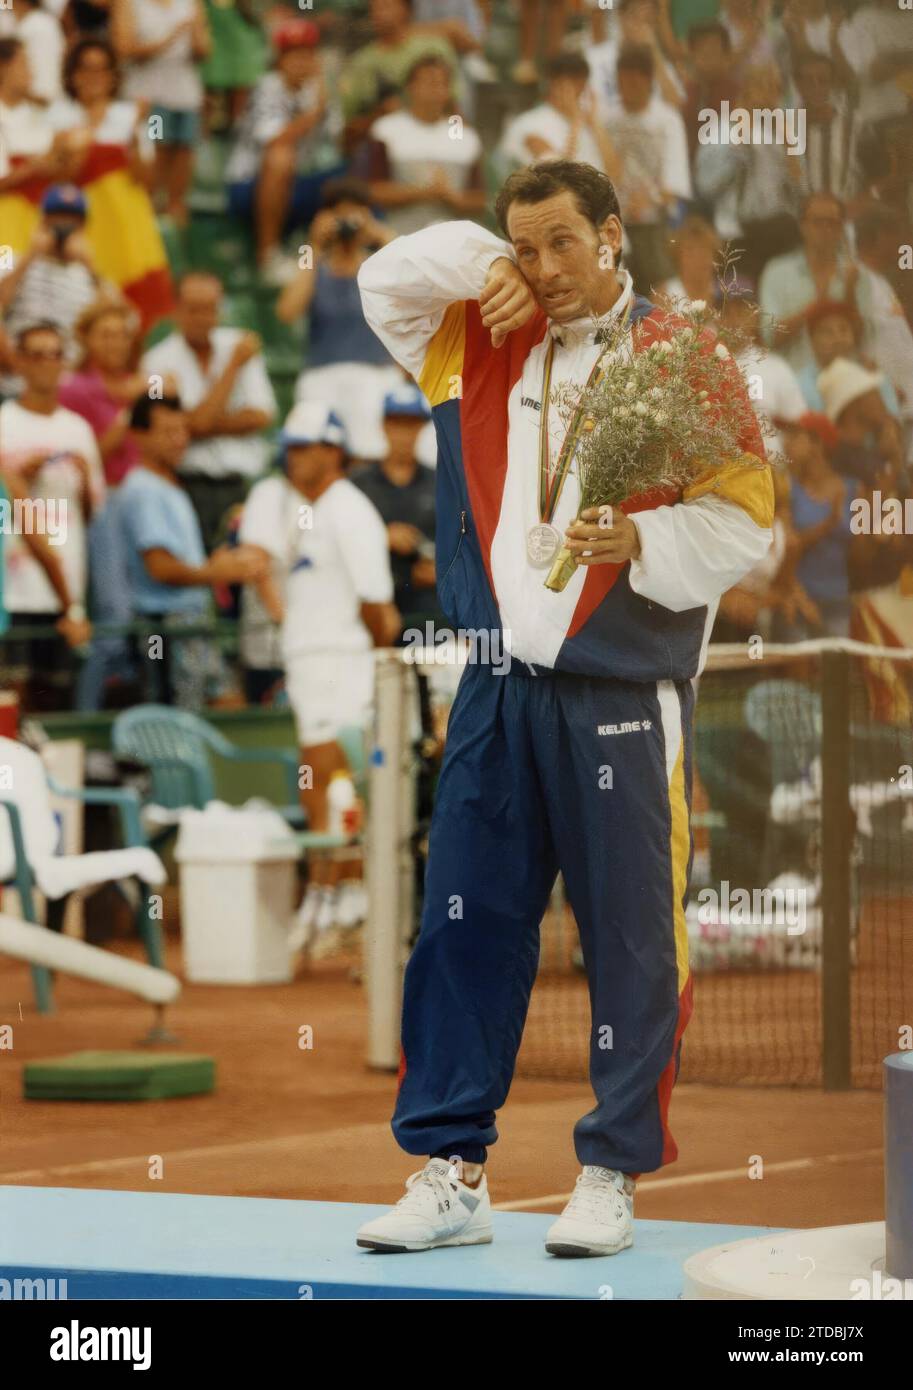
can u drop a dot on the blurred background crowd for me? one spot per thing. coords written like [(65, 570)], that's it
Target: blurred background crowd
[(187, 191)]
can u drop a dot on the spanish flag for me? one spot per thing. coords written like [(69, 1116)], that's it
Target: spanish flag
[(121, 228)]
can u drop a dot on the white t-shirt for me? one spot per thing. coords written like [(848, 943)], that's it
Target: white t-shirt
[(24, 130), (547, 123), (117, 126), (335, 556), (873, 32), (42, 37), (224, 455), (27, 588), (171, 79), (773, 389), (654, 151), (416, 151)]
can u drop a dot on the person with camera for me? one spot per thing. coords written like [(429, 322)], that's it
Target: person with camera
[(347, 366), (55, 278)]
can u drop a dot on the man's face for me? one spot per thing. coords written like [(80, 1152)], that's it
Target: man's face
[(109, 341), (832, 337), (634, 88), (696, 257), (62, 225), (559, 252), (429, 90), (387, 15), (564, 94), (167, 436), (709, 56), (402, 432), (198, 309), (309, 465), (40, 361), (297, 65), (822, 226)]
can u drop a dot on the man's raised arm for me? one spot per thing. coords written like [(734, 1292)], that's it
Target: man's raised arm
[(407, 286)]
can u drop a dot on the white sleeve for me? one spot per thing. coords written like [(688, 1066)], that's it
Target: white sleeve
[(253, 388), (408, 284), (676, 171), (692, 552), (791, 404), (363, 544), (262, 522)]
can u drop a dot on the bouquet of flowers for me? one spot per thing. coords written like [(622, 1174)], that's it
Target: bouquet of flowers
[(653, 420)]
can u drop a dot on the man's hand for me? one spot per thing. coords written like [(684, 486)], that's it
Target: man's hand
[(76, 632), (506, 302), (239, 564), (247, 346), (403, 538), (603, 536), (423, 574)]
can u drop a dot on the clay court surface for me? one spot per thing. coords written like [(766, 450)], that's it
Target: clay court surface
[(293, 1123)]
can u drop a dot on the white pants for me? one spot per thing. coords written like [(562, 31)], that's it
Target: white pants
[(329, 691), (356, 391)]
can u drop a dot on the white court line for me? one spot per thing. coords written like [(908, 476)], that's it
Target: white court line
[(66, 1170), (356, 1132), (693, 1179)]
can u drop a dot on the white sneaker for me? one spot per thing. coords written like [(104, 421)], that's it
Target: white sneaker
[(437, 1209), (303, 925), (599, 1218), (352, 903)]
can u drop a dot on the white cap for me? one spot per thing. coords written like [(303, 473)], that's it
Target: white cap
[(844, 382), (313, 422)]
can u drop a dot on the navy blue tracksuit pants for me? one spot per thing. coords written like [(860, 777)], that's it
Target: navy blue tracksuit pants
[(543, 773)]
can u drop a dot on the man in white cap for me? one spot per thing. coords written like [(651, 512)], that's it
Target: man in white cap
[(869, 446), (332, 592)]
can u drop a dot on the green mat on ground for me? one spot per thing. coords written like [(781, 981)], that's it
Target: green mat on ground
[(119, 1076)]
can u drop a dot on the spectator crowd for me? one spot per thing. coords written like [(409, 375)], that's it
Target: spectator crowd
[(187, 191)]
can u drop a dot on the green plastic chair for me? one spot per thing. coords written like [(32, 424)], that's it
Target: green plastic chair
[(178, 749)]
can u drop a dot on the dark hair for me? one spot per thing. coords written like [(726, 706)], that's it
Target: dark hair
[(427, 60), (143, 406), (709, 29), (336, 191), (593, 191), (38, 326), (636, 57), (75, 55), (567, 65), (198, 273), (9, 47)]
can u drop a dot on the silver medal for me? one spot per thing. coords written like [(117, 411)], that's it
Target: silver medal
[(543, 541)]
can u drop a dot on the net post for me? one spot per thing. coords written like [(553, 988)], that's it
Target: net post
[(390, 867), (836, 855)]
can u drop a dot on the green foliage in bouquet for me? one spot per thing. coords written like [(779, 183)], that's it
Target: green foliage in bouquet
[(656, 419)]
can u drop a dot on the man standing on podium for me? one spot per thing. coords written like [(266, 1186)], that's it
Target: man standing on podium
[(601, 676)]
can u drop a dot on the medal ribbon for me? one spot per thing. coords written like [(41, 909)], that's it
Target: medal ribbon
[(551, 484)]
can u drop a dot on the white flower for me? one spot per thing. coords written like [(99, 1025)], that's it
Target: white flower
[(623, 410), (686, 333), (697, 306), (666, 346), (630, 385), (721, 351), (656, 393), (660, 417), (702, 395), (640, 408), (705, 405)]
